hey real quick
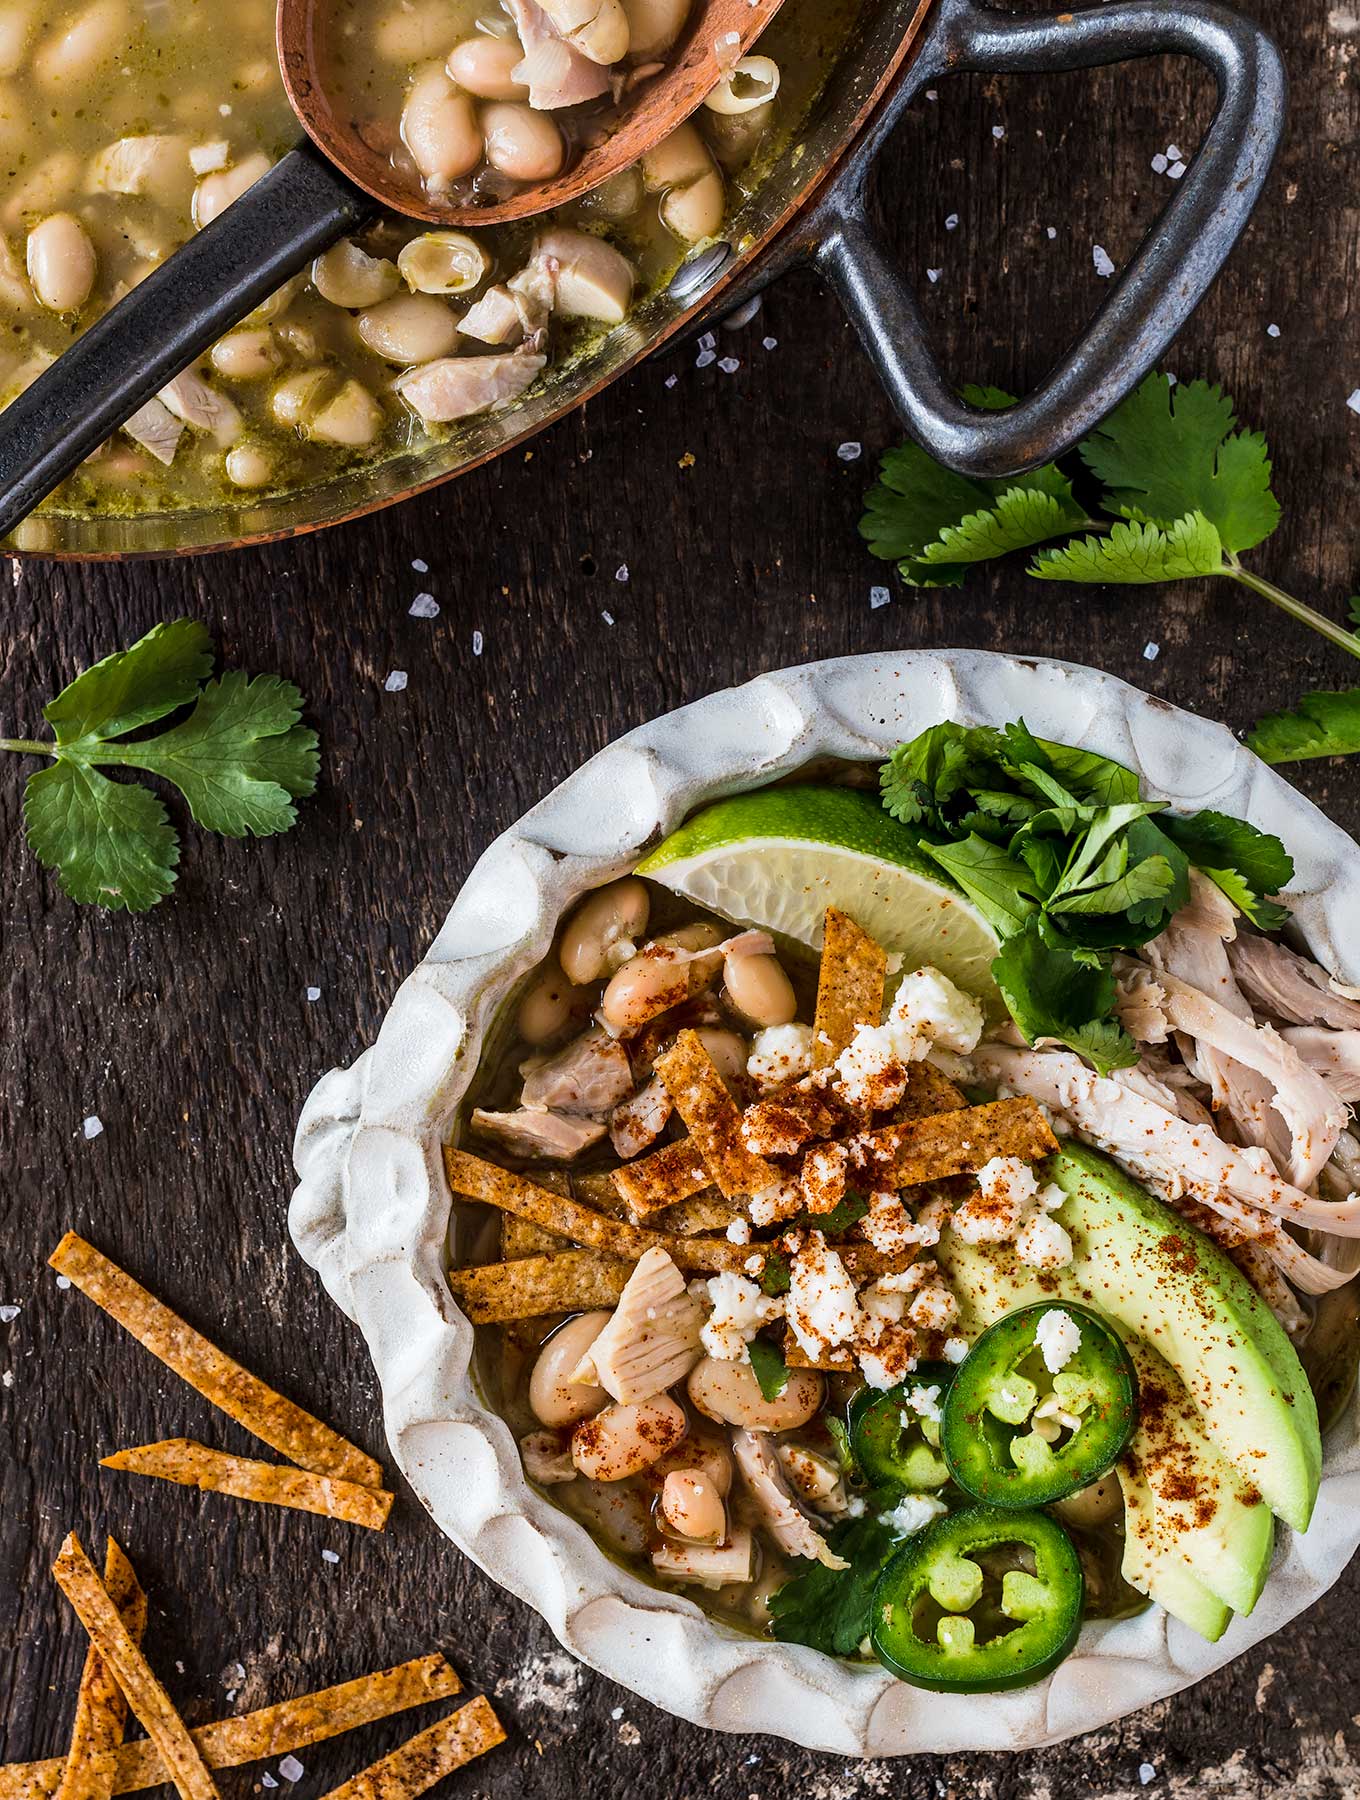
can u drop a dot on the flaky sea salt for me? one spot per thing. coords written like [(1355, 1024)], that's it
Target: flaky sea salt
[(477, 642), (1272, 331), (998, 132), (878, 596), (291, 1769), (933, 275), (704, 358), (1146, 1772), (330, 1556), (424, 606), (952, 222), (769, 343), (671, 380), (92, 1126), (606, 615), (621, 573), (1101, 258), (267, 1780), (313, 993), (1151, 652), (1353, 401), (729, 364), (396, 681), (8, 1314), (850, 452), (420, 566)]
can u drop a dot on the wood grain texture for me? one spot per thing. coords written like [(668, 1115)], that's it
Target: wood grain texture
[(187, 1031)]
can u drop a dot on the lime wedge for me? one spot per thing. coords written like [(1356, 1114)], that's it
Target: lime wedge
[(778, 858)]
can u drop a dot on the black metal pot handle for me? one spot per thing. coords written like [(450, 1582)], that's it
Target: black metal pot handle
[(1158, 290)]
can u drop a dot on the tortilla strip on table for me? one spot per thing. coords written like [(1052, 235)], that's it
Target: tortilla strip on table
[(101, 1708), (75, 1575), (488, 1182), (672, 1173), (210, 1371), (691, 1078), (850, 986), (217, 1472), (530, 1286), (427, 1757), (952, 1143), (270, 1731)]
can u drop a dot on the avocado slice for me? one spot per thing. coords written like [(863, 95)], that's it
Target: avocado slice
[(1198, 1540), (1147, 1268)]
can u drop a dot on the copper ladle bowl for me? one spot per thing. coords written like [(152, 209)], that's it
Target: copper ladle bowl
[(716, 34)]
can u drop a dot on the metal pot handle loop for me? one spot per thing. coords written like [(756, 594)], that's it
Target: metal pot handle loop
[(1169, 274)]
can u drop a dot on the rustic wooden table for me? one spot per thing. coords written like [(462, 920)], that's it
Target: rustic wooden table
[(582, 589)]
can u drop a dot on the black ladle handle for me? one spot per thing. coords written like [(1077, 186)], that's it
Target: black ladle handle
[(223, 273), (1168, 275)]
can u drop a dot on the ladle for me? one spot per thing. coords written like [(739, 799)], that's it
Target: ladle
[(309, 199)]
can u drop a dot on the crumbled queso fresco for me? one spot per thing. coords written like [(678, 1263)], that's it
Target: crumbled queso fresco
[(1058, 1336), (1009, 1206), (928, 1013)]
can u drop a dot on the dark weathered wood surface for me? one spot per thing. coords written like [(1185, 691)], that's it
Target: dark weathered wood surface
[(188, 1032)]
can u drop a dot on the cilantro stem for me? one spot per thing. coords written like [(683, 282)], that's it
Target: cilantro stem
[(1306, 615), (26, 746)]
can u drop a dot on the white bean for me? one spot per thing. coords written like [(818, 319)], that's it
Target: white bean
[(760, 990), (727, 1051), (611, 915), (710, 1456), (61, 263), (71, 57), (408, 34), (753, 82), (696, 211), (521, 143), (348, 276), (624, 1440), (16, 28), (555, 1398), (546, 1009), (442, 262), (409, 328), (654, 25), (439, 127), (730, 1392), (249, 467), (352, 419), (246, 355), (215, 193), (1092, 1506), (482, 66), (298, 396), (682, 157), (617, 197), (644, 987), (693, 1508)]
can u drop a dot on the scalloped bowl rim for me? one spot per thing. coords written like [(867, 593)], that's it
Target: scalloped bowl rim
[(371, 1211)]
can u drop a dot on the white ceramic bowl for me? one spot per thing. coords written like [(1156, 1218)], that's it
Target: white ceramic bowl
[(371, 1211)]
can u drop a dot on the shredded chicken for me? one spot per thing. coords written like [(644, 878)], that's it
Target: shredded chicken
[(547, 1134), (590, 1075), (547, 1460), (1334, 1055), (1291, 987), (457, 387), (191, 399), (779, 1511), (652, 1339), (156, 429), (637, 1123), (711, 1565), (556, 72)]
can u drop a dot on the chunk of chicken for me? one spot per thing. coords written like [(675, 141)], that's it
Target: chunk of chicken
[(779, 1511), (545, 1134), (202, 408), (592, 279), (494, 319), (156, 429), (638, 1122), (711, 1565), (147, 164), (1279, 981), (652, 1340), (547, 1460), (554, 70), (458, 387), (1177, 1157), (1334, 1055), (597, 28), (590, 1075)]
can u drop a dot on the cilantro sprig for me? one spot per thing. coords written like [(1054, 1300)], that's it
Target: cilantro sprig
[(239, 757), (1168, 488), (1068, 863)]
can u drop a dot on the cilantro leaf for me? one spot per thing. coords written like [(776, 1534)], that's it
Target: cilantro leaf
[(110, 844), (769, 1367), (847, 1211), (776, 1277), (1168, 451), (1323, 724), (1022, 516), (239, 757), (1052, 994), (1137, 555), (1249, 865), (829, 1609), (1001, 887), (1150, 879)]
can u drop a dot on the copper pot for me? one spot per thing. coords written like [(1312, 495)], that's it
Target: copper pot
[(812, 208)]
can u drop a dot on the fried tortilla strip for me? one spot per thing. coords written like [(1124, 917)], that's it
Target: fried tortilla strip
[(795, 1357), (701, 1098), (209, 1371), (427, 1757), (952, 1143), (76, 1577), (520, 1238), (272, 1731), (928, 1092), (488, 1182), (530, 1286), (217, 1472), (668, 1175), (849, 986), (101, 1709), (783, 1124), (705, 1212)]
